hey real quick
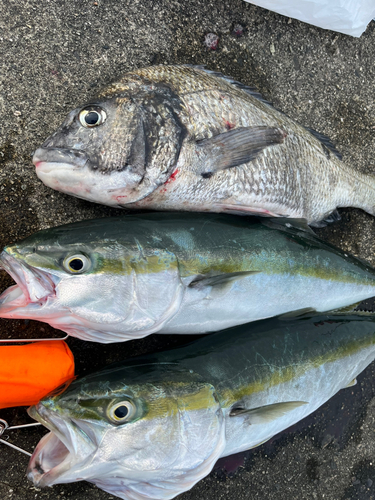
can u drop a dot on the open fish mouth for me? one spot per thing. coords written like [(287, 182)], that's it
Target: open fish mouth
[(59, 451), (33, 288)]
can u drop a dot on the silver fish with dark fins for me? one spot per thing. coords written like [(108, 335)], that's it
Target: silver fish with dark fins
[(122, 278), (183, 138), (151, 427)]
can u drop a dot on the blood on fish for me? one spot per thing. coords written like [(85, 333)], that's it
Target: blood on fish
[(229, 125), (172, 177), (119, 198)]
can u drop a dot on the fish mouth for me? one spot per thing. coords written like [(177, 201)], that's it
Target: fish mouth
[(58, 452), (71, 171), (45, 158), (32, 290)]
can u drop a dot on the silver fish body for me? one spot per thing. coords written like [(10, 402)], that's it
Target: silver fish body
[(153, 426), (121, 278), (182, 138)]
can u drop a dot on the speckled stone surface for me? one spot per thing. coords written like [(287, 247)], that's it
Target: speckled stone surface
[(55, 54)]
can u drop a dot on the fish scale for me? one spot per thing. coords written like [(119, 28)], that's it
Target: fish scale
[(174, 151)]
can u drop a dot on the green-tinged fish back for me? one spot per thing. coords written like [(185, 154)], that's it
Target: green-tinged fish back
[(204, 243), (244, 360)]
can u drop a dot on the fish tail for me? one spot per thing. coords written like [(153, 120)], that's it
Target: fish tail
[(358, 190)]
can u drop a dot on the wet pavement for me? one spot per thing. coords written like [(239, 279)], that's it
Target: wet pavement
[(54, 56)]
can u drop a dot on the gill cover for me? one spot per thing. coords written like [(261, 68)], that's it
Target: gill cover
[(130, 300), (188, 454), (132, 133)]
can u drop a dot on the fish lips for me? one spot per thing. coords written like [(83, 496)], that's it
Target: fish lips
[(74, 172), (44, 158), (63, 169), (33, 288), (63, 451)]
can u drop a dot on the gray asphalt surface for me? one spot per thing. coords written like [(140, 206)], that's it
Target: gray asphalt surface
[(54, 56)]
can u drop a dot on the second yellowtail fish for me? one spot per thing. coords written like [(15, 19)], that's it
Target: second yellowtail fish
[(153, 426)]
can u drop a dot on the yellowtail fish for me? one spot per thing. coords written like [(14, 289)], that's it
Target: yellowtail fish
[(151, 427), (121, 278)]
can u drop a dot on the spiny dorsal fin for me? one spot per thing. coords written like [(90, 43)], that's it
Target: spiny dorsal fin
[(326, 141), (249, 90), (235, 147), (267, 413)]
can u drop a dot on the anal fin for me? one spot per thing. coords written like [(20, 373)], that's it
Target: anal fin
[(334, 216), (351, 383)]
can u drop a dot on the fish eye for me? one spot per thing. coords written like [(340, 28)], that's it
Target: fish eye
[(121, 412), (76, 264), (92, 116)]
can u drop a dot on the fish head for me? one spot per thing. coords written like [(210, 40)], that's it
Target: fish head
[(117, 149), (142, 432), (98, 289)]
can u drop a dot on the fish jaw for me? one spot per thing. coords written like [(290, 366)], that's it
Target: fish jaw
[(34, 296), (33, 290), (72, 174), (59, 453)]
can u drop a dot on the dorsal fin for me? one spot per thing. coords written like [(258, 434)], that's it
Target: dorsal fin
[(249, 90), (326, 141)]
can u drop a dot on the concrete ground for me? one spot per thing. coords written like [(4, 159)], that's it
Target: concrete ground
[(54, 55)]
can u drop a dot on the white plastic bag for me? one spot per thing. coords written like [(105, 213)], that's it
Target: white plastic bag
[(346, 16)]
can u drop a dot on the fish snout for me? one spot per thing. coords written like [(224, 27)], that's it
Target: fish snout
[(46, 155)]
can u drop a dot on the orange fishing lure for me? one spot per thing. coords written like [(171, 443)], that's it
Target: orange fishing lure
[(29, 372)]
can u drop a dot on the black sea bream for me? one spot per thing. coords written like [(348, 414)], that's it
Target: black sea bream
[(183, 138)]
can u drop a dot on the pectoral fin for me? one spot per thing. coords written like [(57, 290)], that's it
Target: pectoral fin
[(235, 147), (264, 414), (221, 279)]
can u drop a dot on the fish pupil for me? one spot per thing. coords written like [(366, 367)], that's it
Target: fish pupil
[(92, 118), (76, 264), (121, 411)]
